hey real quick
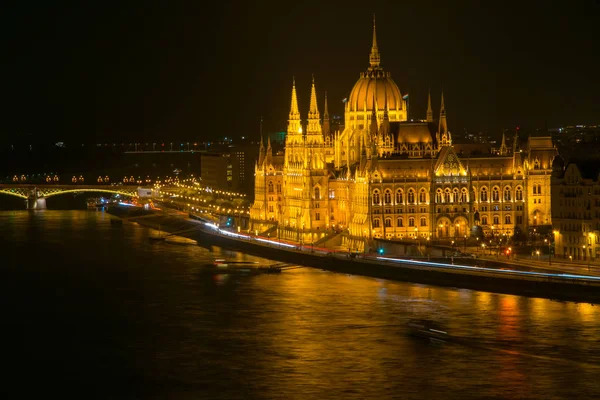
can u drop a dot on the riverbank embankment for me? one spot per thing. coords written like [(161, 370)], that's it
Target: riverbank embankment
[(433, 272)]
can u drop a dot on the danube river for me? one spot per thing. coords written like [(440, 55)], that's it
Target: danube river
[(98, 311)]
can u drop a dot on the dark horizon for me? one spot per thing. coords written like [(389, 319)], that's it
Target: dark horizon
[(190, 72)]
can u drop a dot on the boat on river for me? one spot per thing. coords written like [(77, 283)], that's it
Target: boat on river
[(426, 329), (222, 266)]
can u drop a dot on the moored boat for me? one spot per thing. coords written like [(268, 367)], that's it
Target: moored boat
[(426, 329), (221, 266)]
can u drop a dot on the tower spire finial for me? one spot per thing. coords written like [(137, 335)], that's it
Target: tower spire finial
[(326, 127), (374, 57), (313, 110), (294, 112), (429, 109)]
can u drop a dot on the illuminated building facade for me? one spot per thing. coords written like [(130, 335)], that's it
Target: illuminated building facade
[(384, 177), (576, 209)]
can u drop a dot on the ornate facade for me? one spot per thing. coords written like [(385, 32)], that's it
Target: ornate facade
[(384, 177)]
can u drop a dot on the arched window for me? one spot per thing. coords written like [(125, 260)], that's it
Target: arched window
[(411, 196), (278, 187), (484, 220), (422, 196), (495, 194), (507, 219), (496, 220), (455, 196), (484, 195), (519, 194), (411, 221), (376, 197), (447, 196), (399, 222), (317, 193), (539, 189), (388, 222), (423, 221), (399, 196), (465, 196), (507, 193), (534, 189), (438, 196), (387, 197), (376, 223), (270, 186)]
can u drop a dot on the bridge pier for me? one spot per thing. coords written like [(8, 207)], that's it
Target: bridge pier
[(34, 201)]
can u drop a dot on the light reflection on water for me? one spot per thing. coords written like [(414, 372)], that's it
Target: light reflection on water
[(92, 300)]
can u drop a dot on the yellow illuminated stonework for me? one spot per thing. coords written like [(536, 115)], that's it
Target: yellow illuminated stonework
[(384, 177)]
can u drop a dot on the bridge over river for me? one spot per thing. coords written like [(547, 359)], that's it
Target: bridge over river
[(36, 195)]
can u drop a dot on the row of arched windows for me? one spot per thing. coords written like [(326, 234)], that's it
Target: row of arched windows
[(496, 219), (454, 196), (507, 194), (399, 222), (399, 198)]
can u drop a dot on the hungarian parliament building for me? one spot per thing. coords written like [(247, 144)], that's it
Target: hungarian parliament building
[(383, 177)]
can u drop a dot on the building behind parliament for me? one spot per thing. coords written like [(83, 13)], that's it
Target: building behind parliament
[(384, 177)]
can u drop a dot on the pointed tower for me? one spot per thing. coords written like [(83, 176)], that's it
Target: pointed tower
[(384, 129), (294, 131), (261, 152), (503, 149), (429, 110), (326, 122), (374, 57), (443, 134), (373, 127), (269, 155), (314, 135)]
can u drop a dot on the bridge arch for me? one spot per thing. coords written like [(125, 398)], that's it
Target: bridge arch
[(42, 191), (132, 193)]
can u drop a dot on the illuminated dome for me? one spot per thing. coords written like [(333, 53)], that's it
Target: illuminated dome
[(375, 90), (375, 86)]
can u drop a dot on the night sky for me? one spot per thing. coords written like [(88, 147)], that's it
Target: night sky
[(173, 70)]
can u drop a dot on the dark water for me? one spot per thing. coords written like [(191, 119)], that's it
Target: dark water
[(94, 311)]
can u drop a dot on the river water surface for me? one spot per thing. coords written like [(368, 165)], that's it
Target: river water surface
[(92, 310)]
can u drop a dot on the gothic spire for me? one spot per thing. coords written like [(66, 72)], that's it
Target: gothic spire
[(443, 125), (294, 112), (429, 110), (269, 155), (313, 128), (503, 149), (261, 151), (326, 122), (374, 57), (313, 112), (294, 124), (373, 128)]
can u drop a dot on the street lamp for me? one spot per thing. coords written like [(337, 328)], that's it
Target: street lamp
[(538, 254), (549, 255)]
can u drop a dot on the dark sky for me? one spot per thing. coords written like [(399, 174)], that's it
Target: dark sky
[(167, 70)]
